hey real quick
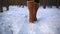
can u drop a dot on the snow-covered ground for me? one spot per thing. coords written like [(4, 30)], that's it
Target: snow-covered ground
[(16, 21)]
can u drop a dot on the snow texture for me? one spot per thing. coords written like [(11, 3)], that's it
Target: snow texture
[(16, 21)]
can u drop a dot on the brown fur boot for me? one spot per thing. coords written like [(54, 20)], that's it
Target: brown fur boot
[(35, 8), (30, 8)]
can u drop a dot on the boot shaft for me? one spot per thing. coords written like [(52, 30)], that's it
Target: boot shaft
[(35, 9), (30, 8)]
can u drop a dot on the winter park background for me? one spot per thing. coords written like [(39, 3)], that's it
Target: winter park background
[(16, 21)]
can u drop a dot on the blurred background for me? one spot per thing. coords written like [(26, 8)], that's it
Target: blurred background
[(43, 3)]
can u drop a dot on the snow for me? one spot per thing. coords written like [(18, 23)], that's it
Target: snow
[(16, 21)]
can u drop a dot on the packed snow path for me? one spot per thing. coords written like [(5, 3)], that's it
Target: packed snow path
[(16, 21)]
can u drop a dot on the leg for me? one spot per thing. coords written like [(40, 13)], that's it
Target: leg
[(1, 10), (35, 9), (30, 8), (50, 3), (44, 4), (57, 6), (57, 3), (23, 3), (7, 7)]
